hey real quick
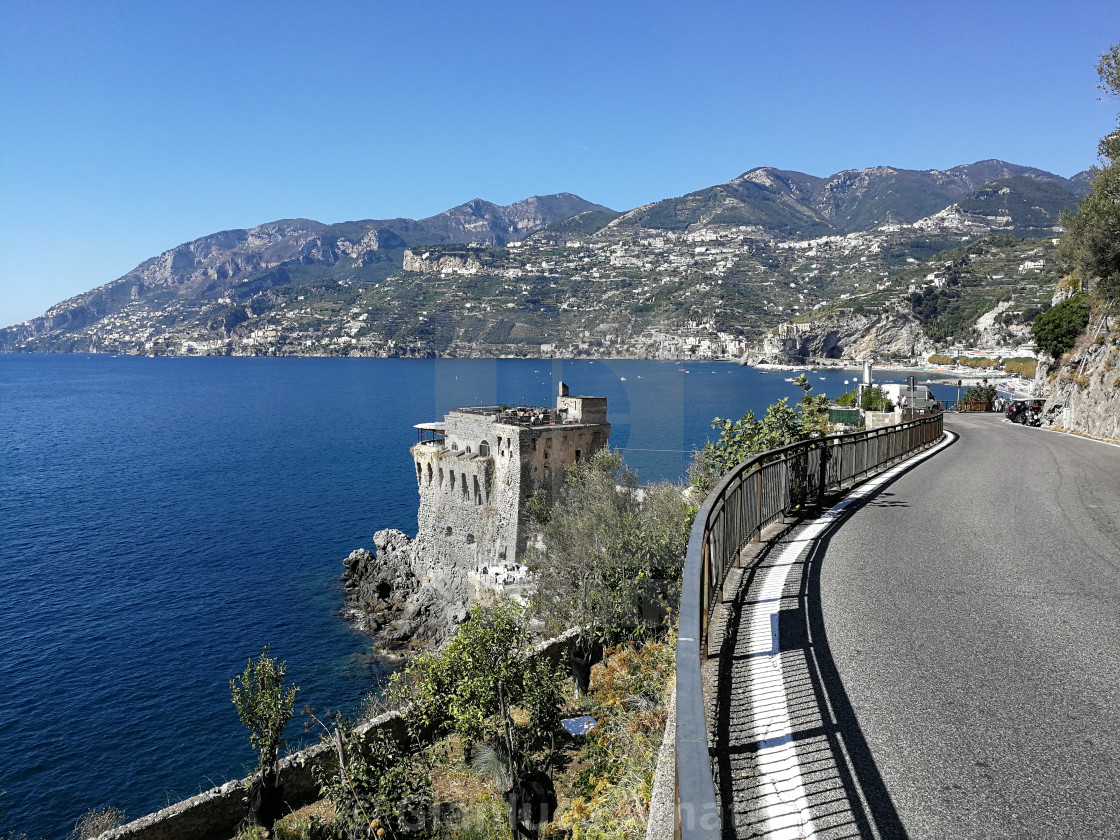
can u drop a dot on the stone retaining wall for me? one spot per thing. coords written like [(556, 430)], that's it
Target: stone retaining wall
[(216, 813)]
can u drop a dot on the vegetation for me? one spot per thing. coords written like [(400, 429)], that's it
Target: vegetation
[(612, 556), (871, 400), (97, 821), (1025, 367), (378, 788), (741, 439), (629, 700), (265, 708), (980, 394), (1091, 247), (1056, 330)]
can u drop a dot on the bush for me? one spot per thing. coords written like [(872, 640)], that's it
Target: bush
[(630, 697), (1056, 330), (97, 821), (612, 555), (502, 703), (744, 438), (265, 709), (378, 788), (873, 400)]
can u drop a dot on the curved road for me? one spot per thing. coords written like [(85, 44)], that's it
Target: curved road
[(956, 673)]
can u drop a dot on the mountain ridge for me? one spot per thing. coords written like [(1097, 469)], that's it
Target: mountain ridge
[(723, 259)]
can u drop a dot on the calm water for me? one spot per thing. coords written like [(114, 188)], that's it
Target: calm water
[(161, 520)]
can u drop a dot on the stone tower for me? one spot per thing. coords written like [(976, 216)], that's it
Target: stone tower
[(474, 472)]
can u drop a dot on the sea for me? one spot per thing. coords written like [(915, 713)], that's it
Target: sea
[(162, 520)]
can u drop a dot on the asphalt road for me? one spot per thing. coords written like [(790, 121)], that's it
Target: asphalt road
[(965, 623)]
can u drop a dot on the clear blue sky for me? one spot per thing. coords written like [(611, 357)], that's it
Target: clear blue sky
[(127, 128)]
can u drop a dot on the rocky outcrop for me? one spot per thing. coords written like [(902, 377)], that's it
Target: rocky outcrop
[(839, 338), (441, 264), (403, 607), (1083, 393)]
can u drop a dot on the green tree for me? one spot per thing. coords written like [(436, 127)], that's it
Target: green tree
[(265, 708), (741, 439), (611, 556), (484, 673), (980, 394), (1056, 330), (874, 400), (1090, 250)]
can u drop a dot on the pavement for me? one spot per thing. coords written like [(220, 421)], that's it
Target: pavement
[(941, 659)]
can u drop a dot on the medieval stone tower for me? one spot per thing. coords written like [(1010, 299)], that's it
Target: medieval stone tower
[(476, 469)]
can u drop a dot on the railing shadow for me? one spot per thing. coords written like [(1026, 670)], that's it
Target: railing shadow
[(840, 781), (755, 493)]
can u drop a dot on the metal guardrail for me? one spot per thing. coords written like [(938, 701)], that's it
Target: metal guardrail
[(751, 496)]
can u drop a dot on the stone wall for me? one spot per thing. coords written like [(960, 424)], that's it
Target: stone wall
[(216, 813)]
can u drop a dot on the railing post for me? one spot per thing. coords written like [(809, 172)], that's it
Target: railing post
[(822, 471), (758, 521)]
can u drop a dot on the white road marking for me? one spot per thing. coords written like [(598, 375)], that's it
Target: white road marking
[(784, 804)]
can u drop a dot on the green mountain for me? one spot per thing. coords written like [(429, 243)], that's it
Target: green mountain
[(1030, 204), (794, 205), (703, 275)]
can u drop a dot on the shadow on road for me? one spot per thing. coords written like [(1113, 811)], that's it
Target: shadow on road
[(777, 685)]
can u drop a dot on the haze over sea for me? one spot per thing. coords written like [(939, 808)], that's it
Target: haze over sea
[(161, 520)]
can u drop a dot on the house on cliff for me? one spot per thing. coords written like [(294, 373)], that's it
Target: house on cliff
[(476, 469)]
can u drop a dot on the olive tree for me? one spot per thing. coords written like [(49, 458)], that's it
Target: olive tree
[(610, 556)]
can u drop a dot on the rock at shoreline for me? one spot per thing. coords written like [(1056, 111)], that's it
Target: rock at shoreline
[(840, 338), (390, 602)]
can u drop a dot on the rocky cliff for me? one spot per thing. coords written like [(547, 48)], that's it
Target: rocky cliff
[(891, 334), (404, 603), (1083, 391)]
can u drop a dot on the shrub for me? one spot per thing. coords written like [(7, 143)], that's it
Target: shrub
[(873, 400), (629, 694), (612, 556), (97, 821), (265, 709), (744, 438), (1056, 330), (473, 686), (378, 788)]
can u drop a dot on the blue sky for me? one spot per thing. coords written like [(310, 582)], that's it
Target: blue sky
[(130, 127)]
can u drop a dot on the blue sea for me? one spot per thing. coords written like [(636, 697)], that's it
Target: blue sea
[(162, 520)]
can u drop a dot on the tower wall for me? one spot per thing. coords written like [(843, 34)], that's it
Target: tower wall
[(473, 484)]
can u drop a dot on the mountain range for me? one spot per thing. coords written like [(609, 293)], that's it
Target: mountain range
[(557, 273)]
